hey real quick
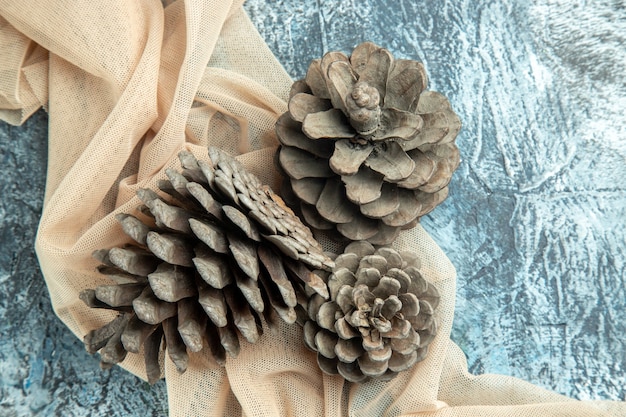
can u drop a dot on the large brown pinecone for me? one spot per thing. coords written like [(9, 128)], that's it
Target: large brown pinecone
[(210, 256), (379, 320), (366, 150)]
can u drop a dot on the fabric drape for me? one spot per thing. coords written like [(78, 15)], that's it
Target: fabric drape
[(127, 86)]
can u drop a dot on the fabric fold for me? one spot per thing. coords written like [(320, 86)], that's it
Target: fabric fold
[(23, 79)]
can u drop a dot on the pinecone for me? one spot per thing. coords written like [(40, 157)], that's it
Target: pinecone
[(366, 150), (209, 258), (379, 319)]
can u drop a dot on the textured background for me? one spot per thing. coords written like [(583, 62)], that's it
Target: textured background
[(535, 221)]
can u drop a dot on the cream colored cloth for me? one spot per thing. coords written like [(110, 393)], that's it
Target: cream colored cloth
[(127, 85)]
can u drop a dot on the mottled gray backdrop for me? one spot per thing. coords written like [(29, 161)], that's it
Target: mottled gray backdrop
[(534, 223)]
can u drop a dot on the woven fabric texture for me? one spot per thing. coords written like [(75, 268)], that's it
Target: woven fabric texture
[(127, 86)]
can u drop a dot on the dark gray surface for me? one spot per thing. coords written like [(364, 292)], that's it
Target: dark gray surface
[(534, 223)]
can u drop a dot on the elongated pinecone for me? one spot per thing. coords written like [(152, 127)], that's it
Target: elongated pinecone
[(379, 319), (366, 150), (209, 258)]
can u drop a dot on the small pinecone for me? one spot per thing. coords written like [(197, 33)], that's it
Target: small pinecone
[(379, 319), (210, 257), (366, 150)]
